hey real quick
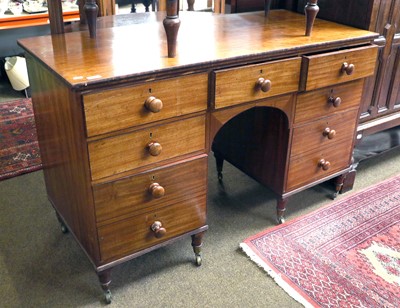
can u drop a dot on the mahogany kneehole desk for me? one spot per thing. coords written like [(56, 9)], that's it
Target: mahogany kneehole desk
[(125, 131)]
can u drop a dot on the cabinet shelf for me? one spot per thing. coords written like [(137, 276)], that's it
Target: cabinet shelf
[(38, 19)]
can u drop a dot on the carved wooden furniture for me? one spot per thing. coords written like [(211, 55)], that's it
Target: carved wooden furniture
[(125, 132)]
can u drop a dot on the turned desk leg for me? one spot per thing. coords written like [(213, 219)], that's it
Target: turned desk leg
[(280, 210), (105, 280), (171, 25), (311, 11), (220, 165), (197, 242)]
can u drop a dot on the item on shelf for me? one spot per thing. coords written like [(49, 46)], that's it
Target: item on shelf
[(15, 7), (3, 6), (33, 6)]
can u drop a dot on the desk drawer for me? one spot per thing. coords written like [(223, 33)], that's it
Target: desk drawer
[(177, 183), (328, 131), (128, 151), (304, 169), (240, 85), (327, 101), (134, 234), (328, 68), (122, 108)]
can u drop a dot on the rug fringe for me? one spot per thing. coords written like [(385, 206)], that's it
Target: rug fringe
[(277, 277)]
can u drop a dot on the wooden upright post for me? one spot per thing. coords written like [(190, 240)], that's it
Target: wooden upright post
[(311, 11), (171, 25), (56, 17)]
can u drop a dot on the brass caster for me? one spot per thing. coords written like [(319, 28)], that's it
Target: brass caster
[(64, 228), (334, 195), (280, 220), (198, 260), (108, 297)]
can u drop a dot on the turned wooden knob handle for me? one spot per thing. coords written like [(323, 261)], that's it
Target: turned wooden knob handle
[(335, 101), (156, 190), (158, 229), (154, 148), (324, 164), (348, 68), (153, 104), (264, 84), (330, 133)]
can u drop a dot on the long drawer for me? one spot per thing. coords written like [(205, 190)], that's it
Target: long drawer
[(134, 234), (121, 108), (307, 168), (140, 148), (337, 67), (239, 85), (327, 131), (175, 183), (327, 101)]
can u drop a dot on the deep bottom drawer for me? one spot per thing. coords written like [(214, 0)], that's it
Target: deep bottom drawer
[(132, 235), (304, 169)]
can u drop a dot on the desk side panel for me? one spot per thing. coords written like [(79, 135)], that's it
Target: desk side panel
[(63, 148)]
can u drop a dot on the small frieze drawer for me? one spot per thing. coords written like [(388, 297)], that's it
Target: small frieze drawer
[(327, 101), (124, 152), (327, 131), (121, 108), (337, 67), (144, 192), (134, 234), (312, 166), (253, 82)]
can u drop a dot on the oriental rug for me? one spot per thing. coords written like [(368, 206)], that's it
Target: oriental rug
[(346, 254), (19, 149)]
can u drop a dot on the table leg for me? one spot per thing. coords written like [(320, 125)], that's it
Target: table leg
[(91, 10), (267, 6), (105, 280), (280, 210), (197, 242), (311, 11), (190, 5), (171, 25)]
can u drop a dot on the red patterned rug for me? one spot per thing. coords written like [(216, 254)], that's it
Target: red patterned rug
[(19, 151), (346, 254)]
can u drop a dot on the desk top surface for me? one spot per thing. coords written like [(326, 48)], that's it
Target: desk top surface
[(134, 46)]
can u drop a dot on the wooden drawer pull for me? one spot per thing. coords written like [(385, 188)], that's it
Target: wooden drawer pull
[(264, 84), (156, 190), (335, 101), (330, 133), (348, 68), (324, 164), (153, 104), (158, 229), (154, 148)]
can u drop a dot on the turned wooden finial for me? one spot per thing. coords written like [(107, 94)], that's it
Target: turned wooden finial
[(267, 6), (190, 5), (311, 10), (171, 25), (91, 10)]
